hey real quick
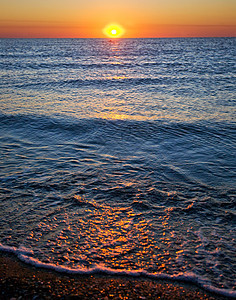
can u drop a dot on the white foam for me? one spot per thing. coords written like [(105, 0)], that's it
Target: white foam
[(25, 255), (18, 251)]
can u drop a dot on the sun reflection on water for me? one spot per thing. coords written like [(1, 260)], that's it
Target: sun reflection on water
[(112, 236)]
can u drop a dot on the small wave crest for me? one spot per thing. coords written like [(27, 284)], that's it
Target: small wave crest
[(181, 149), (137, 128), (110, 82)]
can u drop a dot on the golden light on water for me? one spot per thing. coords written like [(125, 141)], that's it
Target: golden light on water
[(114, 31)]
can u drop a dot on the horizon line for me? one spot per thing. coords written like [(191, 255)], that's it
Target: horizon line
[(121, 38)]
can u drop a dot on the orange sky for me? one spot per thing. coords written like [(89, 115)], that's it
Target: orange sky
[(139, 18)]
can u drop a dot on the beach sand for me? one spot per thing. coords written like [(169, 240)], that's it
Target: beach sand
[(21, 281)]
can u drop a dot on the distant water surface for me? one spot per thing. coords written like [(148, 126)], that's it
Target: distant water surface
[(119, 155)]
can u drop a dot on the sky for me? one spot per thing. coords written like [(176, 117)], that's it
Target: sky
[(139, 18)]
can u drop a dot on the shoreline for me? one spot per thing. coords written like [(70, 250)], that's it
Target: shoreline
[(22, 281)]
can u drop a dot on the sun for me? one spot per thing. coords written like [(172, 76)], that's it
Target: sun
[(113, 30)]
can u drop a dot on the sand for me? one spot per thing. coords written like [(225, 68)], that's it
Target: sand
[(21, 281)]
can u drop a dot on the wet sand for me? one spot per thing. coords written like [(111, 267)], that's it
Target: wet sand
[(21, 281)]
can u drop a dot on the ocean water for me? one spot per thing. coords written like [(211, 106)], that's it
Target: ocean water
[(118, 156)]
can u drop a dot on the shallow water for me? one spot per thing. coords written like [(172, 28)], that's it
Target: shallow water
[(120, 156)]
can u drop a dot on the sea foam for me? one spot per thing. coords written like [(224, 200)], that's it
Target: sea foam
[(25, 255)]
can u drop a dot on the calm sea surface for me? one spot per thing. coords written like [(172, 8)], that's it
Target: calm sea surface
[(119, 155)]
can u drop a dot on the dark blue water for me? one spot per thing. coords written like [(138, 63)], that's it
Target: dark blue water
[(120, 156)]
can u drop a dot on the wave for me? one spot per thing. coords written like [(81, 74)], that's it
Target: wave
[(205, 147), (220, 130), (200, 149), (25, 255), (74, 66), (111, 82), (177, 86)]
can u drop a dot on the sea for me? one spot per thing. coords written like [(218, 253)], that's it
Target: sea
[(118, 157)]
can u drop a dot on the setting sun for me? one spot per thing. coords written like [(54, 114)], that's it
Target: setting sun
[(113, 31)]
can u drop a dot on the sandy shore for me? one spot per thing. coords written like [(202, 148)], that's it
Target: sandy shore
[(20, 281)]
